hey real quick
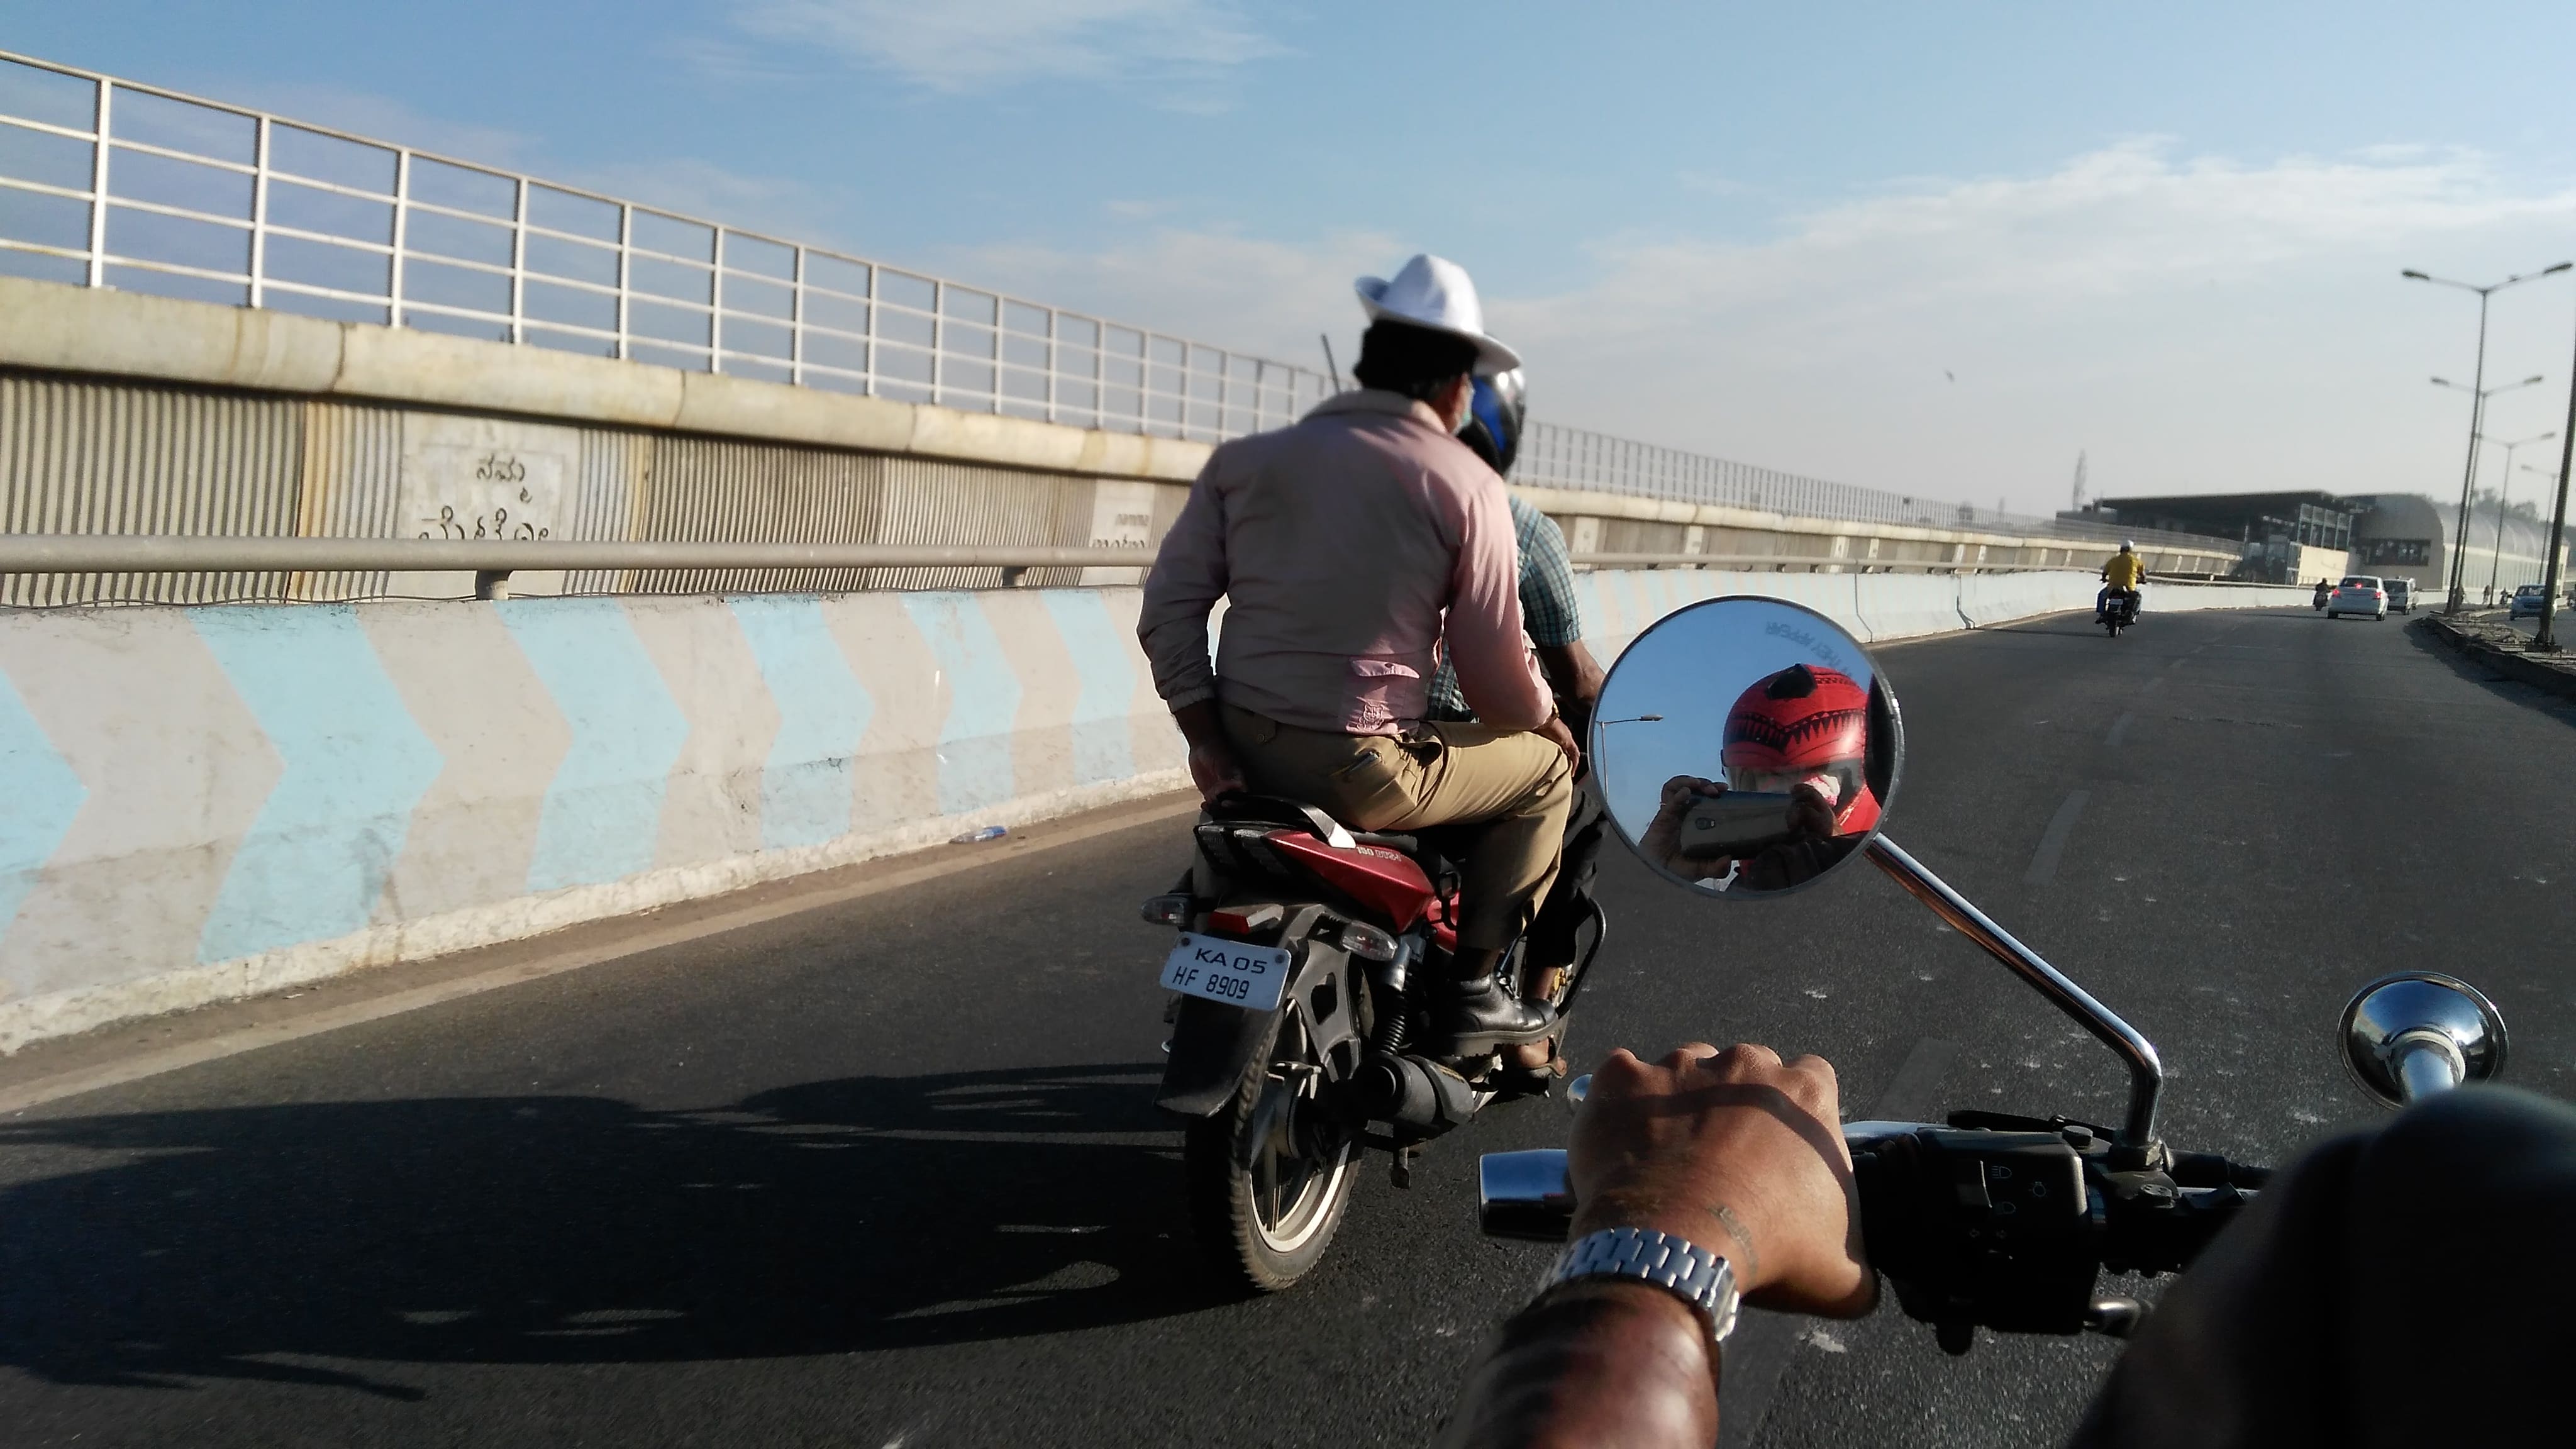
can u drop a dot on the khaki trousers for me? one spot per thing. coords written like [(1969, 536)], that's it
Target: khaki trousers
[(1516, 785)]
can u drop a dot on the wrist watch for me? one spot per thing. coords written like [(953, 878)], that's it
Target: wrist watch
[(1683, 1268)]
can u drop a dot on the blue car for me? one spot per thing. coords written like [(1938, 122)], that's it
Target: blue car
[(2526, 600)]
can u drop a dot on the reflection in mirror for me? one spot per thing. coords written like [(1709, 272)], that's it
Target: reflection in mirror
[(1746, 746)]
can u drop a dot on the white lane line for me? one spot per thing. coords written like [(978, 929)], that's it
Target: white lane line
[(1764, 1344), (2052, 842), (188, 1054), (2119, 729), (2153, 685)]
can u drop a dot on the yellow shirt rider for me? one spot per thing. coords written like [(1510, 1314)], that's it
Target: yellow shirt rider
[(2120, 578), (2125, 568)]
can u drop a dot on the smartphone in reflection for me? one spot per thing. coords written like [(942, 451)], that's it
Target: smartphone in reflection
[(1735, 823)]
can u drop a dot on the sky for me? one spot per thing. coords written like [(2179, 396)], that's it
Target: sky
[(1940, 249)]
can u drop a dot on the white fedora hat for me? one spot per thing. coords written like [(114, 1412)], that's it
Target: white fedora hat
[(1435, 292)]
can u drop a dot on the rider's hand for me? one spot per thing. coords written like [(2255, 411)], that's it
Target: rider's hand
[(1556, 733), (1668, 1146), (1662, 842), (1811, 812), (1214, 769)]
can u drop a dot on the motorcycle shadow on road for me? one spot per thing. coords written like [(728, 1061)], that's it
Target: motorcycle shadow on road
[(867, 1213)]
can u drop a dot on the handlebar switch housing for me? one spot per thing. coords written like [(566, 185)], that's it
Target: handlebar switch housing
[(1984, 1227)]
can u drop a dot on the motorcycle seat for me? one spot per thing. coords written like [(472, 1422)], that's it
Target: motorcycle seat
[(1432, 850)]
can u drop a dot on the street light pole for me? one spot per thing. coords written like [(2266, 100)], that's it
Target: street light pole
[(2543, 641), (2459, 563), (2477, 413), (2495, 559)]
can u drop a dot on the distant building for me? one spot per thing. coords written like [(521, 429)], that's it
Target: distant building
[(2287, 537), (2302, 537)]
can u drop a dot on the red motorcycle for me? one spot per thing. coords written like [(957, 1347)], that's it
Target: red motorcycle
[(1298, 996)]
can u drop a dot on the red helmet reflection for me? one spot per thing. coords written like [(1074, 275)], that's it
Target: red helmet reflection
[(1799, 724)]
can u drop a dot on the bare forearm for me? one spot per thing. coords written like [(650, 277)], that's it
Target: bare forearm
[(1622, 1364)]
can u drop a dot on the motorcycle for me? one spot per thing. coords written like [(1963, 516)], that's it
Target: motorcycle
[(2117, 611), (1988, 1219), (1298, 1009)]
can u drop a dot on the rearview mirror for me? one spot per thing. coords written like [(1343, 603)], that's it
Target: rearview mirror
[(1746, 746)]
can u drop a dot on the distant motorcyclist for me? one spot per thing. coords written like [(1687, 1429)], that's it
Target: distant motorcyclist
[(1354, 549), (2325, 591), (2120, 578)]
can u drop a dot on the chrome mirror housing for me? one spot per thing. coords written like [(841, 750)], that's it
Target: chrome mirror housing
[(2416, 1033)]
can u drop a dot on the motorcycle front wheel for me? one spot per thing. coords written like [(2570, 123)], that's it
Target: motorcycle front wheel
[(1268, 1177)]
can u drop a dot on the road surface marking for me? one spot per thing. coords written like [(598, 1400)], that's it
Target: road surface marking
[(1763, 1345), (2052, 841), (2119, 730), (232, 1043)]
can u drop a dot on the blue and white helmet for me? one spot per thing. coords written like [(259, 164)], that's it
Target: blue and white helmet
[(1496, 417)]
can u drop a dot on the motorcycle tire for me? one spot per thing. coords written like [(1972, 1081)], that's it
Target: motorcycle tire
[(1267, 1192)]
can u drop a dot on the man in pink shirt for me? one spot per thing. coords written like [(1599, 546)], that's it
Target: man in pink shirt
[(1351, 548)]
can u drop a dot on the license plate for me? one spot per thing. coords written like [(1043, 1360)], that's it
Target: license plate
[(1252, 977)]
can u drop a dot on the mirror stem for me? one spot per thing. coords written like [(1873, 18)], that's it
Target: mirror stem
[(2146, 1073)]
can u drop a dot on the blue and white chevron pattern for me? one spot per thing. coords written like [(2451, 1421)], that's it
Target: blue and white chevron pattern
[(187, 787)]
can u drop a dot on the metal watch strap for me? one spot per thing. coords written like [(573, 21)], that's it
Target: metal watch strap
[(1699, 1277)]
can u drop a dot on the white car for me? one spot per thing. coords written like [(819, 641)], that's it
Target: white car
[(2358, 594)]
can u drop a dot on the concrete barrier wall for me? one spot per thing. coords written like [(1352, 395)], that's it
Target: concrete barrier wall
[(216, 801), (209, 802)]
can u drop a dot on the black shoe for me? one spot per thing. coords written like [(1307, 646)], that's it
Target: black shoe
[(1477, 1015)]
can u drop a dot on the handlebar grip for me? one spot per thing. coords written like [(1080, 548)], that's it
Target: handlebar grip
[(1525, 1195)]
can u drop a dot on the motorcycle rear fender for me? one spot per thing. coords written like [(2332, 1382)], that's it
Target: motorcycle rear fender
[(1212, 1042)]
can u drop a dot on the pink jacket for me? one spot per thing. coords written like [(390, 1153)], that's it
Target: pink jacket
[(1339, 543)]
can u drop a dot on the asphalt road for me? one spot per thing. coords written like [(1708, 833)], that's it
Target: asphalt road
[(887, 1174)]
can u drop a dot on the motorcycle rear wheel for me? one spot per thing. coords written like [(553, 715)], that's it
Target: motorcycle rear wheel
[(1267, 1182)]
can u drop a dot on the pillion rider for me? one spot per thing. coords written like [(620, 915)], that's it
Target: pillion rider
[(1355, 547), (1552, 616), (2120, 577)]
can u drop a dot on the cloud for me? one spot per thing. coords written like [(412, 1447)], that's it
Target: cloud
[(365, 113), (964, 46), (2195, 323), (2198, 324), (1243, 293), (781, 207)]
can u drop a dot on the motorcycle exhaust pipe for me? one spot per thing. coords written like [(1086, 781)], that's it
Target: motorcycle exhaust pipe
[(1410, 1091)]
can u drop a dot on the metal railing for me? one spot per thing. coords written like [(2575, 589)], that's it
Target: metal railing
[(107, 183), (491, 562), (1554, 456)]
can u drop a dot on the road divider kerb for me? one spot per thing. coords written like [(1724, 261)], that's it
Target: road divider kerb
[(647, 936)]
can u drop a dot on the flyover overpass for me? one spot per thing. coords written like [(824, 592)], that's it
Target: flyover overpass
[(777, 559), (592, 1039)]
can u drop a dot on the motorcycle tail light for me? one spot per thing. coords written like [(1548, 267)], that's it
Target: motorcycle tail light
[(1167, 910), (1245, 920), (1362, 939)]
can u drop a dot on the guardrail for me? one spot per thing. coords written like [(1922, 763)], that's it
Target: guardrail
[(492, 562), (108, 183), (113, 184)]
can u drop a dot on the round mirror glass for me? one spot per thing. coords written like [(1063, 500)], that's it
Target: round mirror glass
[(1746, 746)]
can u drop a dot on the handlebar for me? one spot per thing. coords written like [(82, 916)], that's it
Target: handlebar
[(1994, 1220)]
